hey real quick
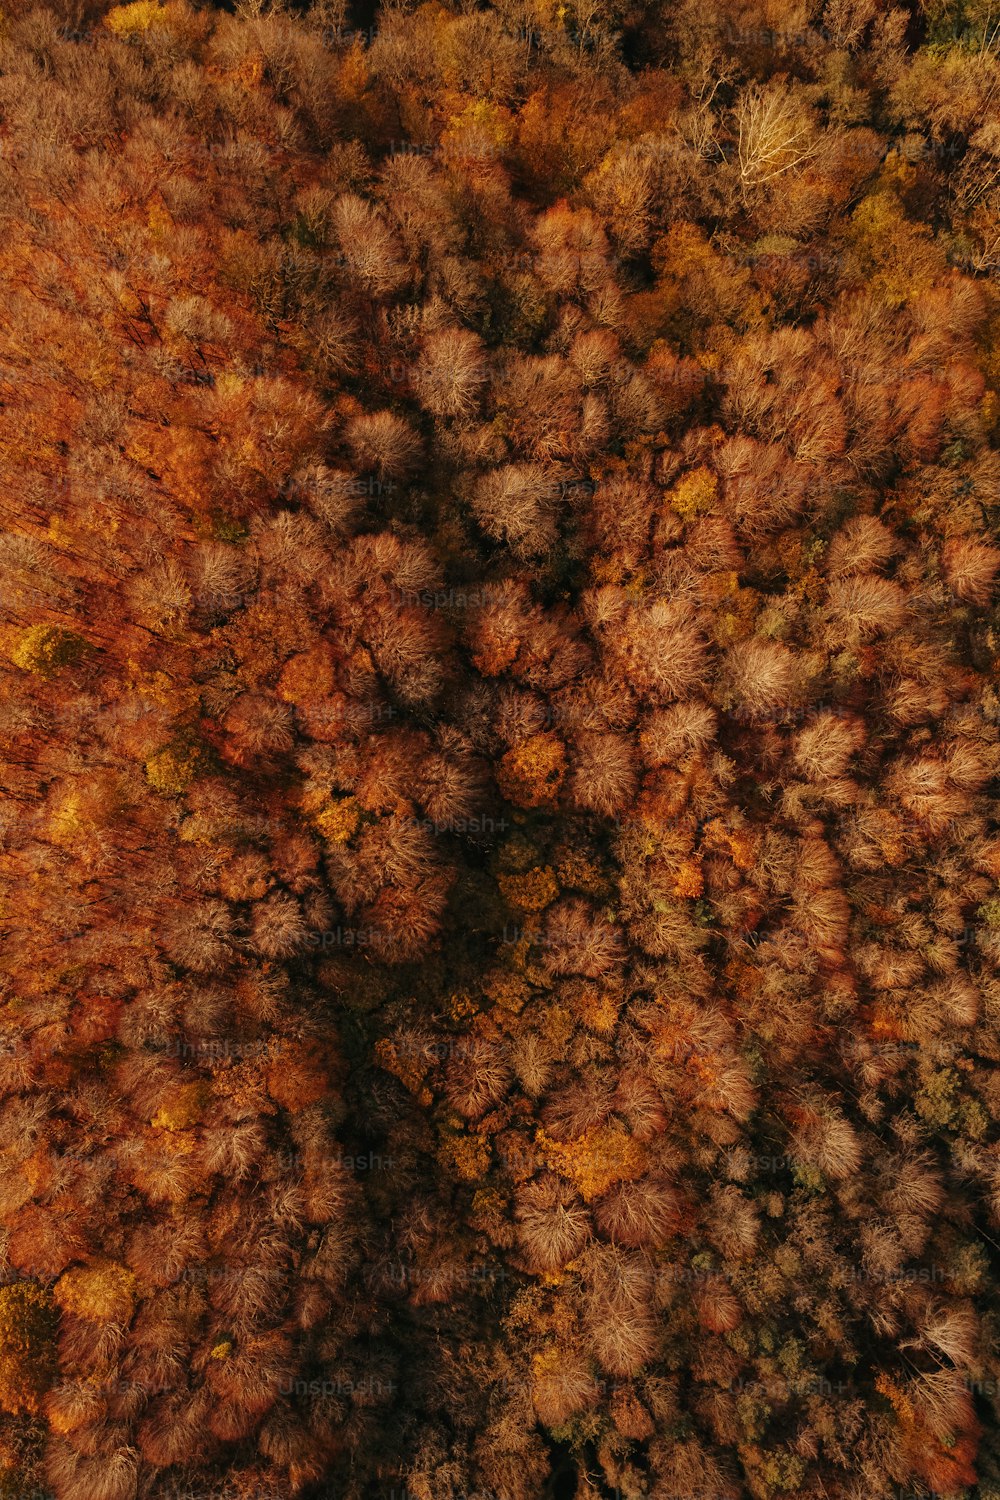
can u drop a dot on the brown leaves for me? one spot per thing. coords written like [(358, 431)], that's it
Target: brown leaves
[(383, 442), (367, 244), (760, 677), (299, 1075), (552, 1223), (531, 774), (970, 568), (518, 505), (603, 779), (451, 373), (661, 651)]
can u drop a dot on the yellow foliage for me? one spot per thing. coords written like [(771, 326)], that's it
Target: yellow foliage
[(894, 1393), (810, 587), (596, 1160), (313, 798), (228, 383), (547, 1361), (104, 1292), (557, 140), (126, 20), (468, 1156), (159, 220), (162, 689), (355, 74), (790, 551), (171, 770), (184, 1108), (607, 569), (519, 952), (696, 286), (719, 585), (518, 852), (745, 847), (735, 622), (460, 1007), (250, 71), (531, 774), (43, 649), (481, 129), (177, 1142), (690, 881), (556, 1024), (574, 868), (337, 821), (599, 1011), (27, 1349), (742, 843), (37, 1170), (895, 253), (694, 493), (532, 891), (307, 675), (65, 822), (508, 991)]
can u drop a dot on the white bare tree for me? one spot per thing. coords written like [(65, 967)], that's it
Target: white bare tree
[(776, 134)]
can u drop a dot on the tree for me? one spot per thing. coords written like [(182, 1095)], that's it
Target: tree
[(775, 135), (604, 775), (552, 1224), (27, 1352), (383, 442), (370, 254), (518, 505), (451, 373), (970, 568)]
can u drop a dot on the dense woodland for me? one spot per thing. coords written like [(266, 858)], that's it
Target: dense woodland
[(499, 743)]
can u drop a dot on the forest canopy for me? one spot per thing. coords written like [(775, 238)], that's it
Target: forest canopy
[(499, 749)]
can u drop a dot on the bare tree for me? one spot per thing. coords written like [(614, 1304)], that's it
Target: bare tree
[(776, 134)]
